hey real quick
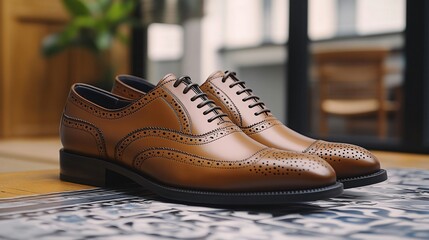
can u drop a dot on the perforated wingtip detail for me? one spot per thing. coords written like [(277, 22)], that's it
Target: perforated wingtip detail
[(338, 151)]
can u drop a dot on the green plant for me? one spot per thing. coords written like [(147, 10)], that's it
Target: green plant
[(93, 25)]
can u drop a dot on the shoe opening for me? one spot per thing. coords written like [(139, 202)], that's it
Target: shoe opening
[(100, 97)]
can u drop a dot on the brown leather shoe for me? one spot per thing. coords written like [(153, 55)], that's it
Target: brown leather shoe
[(175, 142), (355, 166)]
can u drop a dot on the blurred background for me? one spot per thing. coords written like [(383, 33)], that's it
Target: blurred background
[(343, 70)]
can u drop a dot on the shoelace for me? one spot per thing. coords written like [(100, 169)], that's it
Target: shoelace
[(200, 94), (248, 91)]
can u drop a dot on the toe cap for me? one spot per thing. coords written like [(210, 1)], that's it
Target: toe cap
[(290, 170), (348, 160)]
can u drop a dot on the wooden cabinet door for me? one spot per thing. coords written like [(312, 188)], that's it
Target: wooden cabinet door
[(33, 89)]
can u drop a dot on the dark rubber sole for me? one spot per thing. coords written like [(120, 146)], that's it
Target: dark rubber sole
[(97, 172), (364, 180)]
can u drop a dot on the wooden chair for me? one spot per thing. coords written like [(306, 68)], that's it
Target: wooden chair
[(352, 85)]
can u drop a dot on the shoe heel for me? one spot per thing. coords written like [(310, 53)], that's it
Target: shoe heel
[(88, 171)]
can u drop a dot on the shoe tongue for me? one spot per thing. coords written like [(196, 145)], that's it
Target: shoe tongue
[(187, 81), (214, 75), (167, 78), (172, 77)]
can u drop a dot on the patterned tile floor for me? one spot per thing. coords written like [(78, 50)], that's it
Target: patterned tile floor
[(396, 209)]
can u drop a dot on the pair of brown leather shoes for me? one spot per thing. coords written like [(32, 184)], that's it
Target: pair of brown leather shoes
[(175, 141)]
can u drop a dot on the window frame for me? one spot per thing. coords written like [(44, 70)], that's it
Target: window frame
[(415, 124)]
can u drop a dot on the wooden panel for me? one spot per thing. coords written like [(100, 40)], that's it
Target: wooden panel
[(2, 54), (5, 94), (27, 76), (40, 10), (33, 89)]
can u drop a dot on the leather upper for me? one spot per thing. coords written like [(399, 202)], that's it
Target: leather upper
[(347, 160), (166, 134)]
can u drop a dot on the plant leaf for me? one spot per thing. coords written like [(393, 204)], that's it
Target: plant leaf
[(123, 38), (57, 42), (85, 22), (98, 7), (93, 25), (77, 7), (53, 44), (70, 32), (103, 40), (120, 10), (104, 4), (50, 45)]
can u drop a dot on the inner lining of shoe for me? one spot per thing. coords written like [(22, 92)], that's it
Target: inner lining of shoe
[(100, 97), (137, 83)]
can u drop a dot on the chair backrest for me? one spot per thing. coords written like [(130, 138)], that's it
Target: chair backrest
[(351, 74)]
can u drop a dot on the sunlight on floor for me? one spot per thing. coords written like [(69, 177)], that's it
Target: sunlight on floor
[(29, 154)]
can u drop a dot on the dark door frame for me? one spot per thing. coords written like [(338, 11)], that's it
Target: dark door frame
[(416, 87), (297, 84), (138, 45)]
